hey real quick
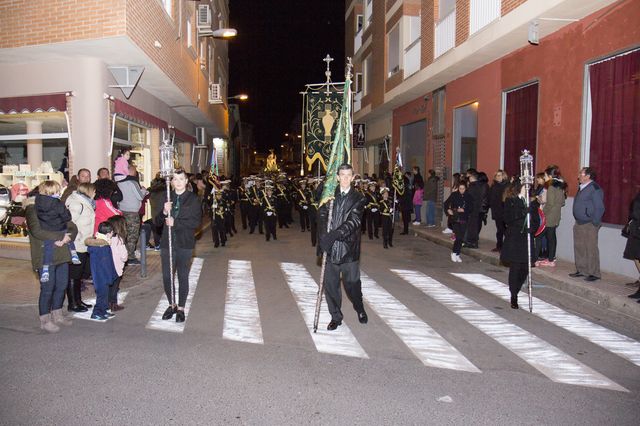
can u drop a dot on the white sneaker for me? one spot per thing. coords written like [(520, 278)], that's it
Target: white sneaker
[(454, 257), (458, 258), (416, 223), (447, 231)]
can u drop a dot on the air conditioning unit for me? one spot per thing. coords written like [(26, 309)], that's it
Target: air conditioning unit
[(215, 93), (201, 136), (204, 18)]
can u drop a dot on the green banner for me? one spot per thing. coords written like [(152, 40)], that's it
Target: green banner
[(322, 111)]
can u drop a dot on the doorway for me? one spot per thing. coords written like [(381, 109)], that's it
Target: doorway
[(413, 141), (465, 138)]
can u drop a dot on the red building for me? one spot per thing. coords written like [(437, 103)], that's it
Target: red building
[(470, 83)]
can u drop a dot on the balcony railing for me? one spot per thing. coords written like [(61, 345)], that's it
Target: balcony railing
[(445, 34), (482, 13), (412, 58), (357, 41)]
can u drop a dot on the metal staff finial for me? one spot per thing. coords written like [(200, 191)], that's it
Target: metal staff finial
[(526, 179), (328, 59), (348, 69)]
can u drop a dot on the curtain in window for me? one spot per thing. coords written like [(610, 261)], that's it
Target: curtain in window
[(614, 150), (521, 126)]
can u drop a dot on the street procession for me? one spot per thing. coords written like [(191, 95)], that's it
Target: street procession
[(322, 212)]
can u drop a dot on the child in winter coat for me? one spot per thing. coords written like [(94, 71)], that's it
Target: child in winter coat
[(121, 166), (53, 216), (119, 253), (417, 204), (102, 269)]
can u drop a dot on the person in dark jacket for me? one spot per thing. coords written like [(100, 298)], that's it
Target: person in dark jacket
[(431, 197), (588, 209), (459, 207), (181, 216), (479, 191), (52, 292), (405, 205), (632, 248), (342, 245), (500, 184), (157, 197), (103, 269), (514, 251), (418, 181)]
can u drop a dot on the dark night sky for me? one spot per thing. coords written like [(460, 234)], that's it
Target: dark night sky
[(279, 48)]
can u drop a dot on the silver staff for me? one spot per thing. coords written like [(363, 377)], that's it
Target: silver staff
[(166, 171), (526, 178)]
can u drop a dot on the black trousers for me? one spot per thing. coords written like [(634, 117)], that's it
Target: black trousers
[(254, 217), (350, 273), (244, 213), (181, 265), (387, 230), (473, 229), (282, 216), (314, 229), (218, 232), (500, 228), (365, 218), (406, 218), (114, 289), (518, 273), (304, 218), (373, 223), (459, 229), (552, 241), (270, 227)]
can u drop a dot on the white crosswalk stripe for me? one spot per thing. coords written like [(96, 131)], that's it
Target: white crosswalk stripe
[(304, 289), (92, 301), (429, 346), (241, 314), (615, 342), (546, 358), (157, 323)]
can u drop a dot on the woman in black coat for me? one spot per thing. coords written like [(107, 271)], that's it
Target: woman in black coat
[(459, 207), (632, 249), (514, 251)]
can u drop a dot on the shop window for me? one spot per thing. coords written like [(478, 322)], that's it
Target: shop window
[(612, 133), (520, 126), (135, 137)]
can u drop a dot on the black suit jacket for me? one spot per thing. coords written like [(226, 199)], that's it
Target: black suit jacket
[(346, 220)]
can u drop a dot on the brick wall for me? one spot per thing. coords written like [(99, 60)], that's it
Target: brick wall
[(462, 21), (509, 5), (429, 13), (34, 22)]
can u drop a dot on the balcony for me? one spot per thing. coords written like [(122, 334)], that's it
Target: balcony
[(482, 13), (357, 102), (357, 41), (445, 34), (412, 58)]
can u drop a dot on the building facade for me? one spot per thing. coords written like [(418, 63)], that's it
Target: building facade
[(95, 76), (470, 83)]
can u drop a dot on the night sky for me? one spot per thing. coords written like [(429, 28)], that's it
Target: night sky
[(279, 48)]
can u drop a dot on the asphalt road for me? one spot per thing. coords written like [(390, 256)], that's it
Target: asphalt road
[(442, 351)]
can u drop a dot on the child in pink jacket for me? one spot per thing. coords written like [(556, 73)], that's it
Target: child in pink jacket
[(417, 204), (120, 256)]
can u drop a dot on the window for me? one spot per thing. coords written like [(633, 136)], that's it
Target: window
[(393, 59), (359, 22), (414, 29), (368, 13), (612, 120), (368, 78), (520, 125), (168, 7), (445, 7), (189, 33), (358, 82)]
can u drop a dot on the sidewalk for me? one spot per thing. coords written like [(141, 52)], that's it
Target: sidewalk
[(20, 286), (610, 291)]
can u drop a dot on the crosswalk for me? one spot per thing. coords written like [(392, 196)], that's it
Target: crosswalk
[(242, 322)]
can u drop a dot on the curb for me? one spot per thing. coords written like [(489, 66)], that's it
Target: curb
[(620, 304)]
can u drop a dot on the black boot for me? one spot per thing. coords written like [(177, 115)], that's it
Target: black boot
[(514, 302), (71, 301), (77, 294)]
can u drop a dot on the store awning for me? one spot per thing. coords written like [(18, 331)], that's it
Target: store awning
[(184, 136), (138, 116), (30, 104)]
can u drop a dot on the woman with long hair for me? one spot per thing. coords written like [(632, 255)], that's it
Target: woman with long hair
[(555, 196), (120, 255)]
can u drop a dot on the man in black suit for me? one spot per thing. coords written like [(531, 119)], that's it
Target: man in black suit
[(342, 245)]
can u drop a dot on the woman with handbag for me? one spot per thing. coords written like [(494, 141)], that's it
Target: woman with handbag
[(632, 249)]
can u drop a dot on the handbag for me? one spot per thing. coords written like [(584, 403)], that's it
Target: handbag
[(631, 229)]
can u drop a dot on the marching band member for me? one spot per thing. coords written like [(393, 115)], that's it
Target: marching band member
[(269, 210), (386, 215)]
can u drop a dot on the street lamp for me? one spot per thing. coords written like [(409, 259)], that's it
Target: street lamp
[(242, 97), (221, 33)]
